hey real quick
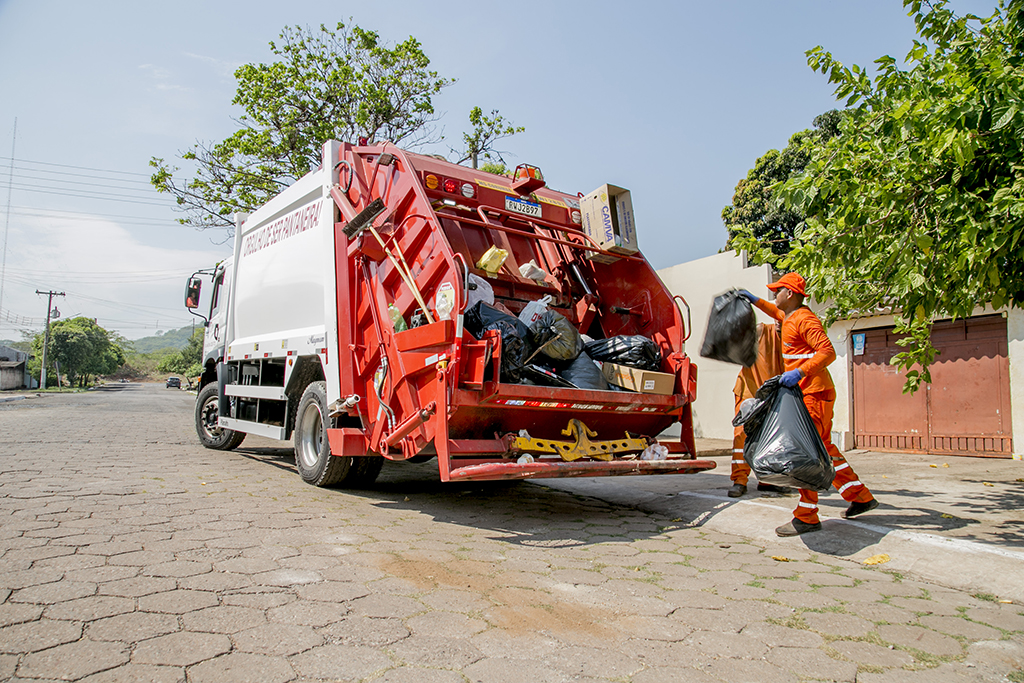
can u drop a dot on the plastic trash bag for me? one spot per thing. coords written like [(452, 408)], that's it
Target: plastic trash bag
[(532, 271), (545, 377), (752, 411), (731, 335), (479, 290), (786, 449), (585, 374), (636, 351), (515, 347), (533, 310), (655, 452), (555, 337)]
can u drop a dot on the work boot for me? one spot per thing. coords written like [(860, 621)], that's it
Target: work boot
[(772, 488), (795, 527), (737, 490), (859, 508)]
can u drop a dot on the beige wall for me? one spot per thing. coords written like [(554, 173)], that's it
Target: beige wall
[(699, 282)]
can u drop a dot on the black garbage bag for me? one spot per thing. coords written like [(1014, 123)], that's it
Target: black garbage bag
[(731, 335), (752, 411), (584, 374), (515, 348), (555, 337), (545, 377), (786, 449), (636, 351)]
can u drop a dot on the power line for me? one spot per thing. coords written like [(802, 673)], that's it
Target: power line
[(80, 196), (76, 175), (80, 168), (22, 176), (87, 216)]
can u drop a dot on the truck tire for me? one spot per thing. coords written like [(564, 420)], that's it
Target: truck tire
[(210, 435), (313, 457)]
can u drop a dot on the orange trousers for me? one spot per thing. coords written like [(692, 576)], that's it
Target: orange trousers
[(819, 405), (740, 469)]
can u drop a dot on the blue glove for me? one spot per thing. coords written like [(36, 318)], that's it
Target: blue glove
[(791, 378), (748, 296)]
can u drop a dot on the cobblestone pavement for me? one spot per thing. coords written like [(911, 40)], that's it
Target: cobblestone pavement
[(130, 553)]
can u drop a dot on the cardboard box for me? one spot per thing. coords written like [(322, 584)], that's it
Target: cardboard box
[(642, 381), (607, 214)]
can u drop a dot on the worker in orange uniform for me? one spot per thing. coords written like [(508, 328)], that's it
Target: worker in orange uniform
[(769, 364), (807, 351)]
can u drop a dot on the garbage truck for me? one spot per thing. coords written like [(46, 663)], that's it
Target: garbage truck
[(340, 323)]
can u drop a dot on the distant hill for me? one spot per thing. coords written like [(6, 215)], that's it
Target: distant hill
[(172, 339)]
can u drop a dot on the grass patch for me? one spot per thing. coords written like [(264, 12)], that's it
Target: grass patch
[(1016, 676), (987, 597), (795, 621)]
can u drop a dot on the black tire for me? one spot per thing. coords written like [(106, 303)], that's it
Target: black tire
[(313, 457), (210, 435)]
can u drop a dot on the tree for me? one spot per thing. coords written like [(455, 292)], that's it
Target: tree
[(189, 360), (918, 206), (80, 348), (339, 84), (486, 131), (756, 221)]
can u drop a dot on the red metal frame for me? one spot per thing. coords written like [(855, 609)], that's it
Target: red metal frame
[(436, 393)]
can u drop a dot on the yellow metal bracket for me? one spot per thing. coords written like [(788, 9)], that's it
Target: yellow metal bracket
[(581, 445)]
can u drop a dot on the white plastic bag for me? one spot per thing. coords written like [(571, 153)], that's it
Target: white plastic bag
[(532, 271), (655, 452), (481, 292), (534, 310)]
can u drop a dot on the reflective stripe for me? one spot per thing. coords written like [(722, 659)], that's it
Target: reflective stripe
[(738, 462), (812, 506), (842, 467), (855, 482), (798, 355), (737, 450)]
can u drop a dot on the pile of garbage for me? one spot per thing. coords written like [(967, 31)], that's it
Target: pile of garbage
[(542, 347)]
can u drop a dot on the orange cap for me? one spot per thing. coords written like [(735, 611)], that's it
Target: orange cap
[(792, 282)]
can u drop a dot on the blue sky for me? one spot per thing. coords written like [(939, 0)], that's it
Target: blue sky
[(672, 100)]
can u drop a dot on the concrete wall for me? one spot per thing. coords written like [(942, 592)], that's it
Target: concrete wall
[(699, 282), (1015, 339)]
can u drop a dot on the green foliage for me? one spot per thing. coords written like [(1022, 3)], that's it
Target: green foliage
[(188, 359), (337, 84), (918, 206), (171, 339), (81, 349), (755, 221), (495, 168), (486, 131)]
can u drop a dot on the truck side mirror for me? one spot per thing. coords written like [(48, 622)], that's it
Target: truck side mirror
[(195, 285)]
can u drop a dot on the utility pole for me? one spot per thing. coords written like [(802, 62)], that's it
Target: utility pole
[(46, 337)]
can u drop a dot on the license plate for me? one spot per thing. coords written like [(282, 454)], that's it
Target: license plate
[(522, 206)]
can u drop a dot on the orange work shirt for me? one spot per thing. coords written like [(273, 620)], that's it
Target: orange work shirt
[(804, 345), (768, 365)]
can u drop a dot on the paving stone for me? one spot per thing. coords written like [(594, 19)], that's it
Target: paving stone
[(332, 591), (8, 663), (386, 606), (813, 664), (920, 639), (50, 593), (663, 674), (1000, 618), (38, 635), (749, 670), (139, 673), (445, 625), (500, 643), (656, 628), (774, 636), (582, 662), (277, 639), (177, 601), (242, 667), (308, 613), (958, 626), (287, 577), (999, 657), (499, 670), (436, 652), (340, 662), (89, 609), (881, 612), (218, 582), (225, 619), (725, 621), (837, 624), (731, 645), (411, 674), (180, 649), (805, 600), (923, 606), (133, 627), (695, 599), (101, 574), (73, 660), (823, 579), (136, 587), (17, 613), (871, 654)]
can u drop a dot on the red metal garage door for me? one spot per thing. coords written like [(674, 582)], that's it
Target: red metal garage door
[(964, 411)]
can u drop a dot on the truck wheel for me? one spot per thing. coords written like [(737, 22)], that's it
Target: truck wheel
[(209, 433), (313, 457)]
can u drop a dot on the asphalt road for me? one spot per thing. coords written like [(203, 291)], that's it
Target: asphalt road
[(130, 553)]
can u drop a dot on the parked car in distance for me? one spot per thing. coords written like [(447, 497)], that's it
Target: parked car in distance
[(174, 382)]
